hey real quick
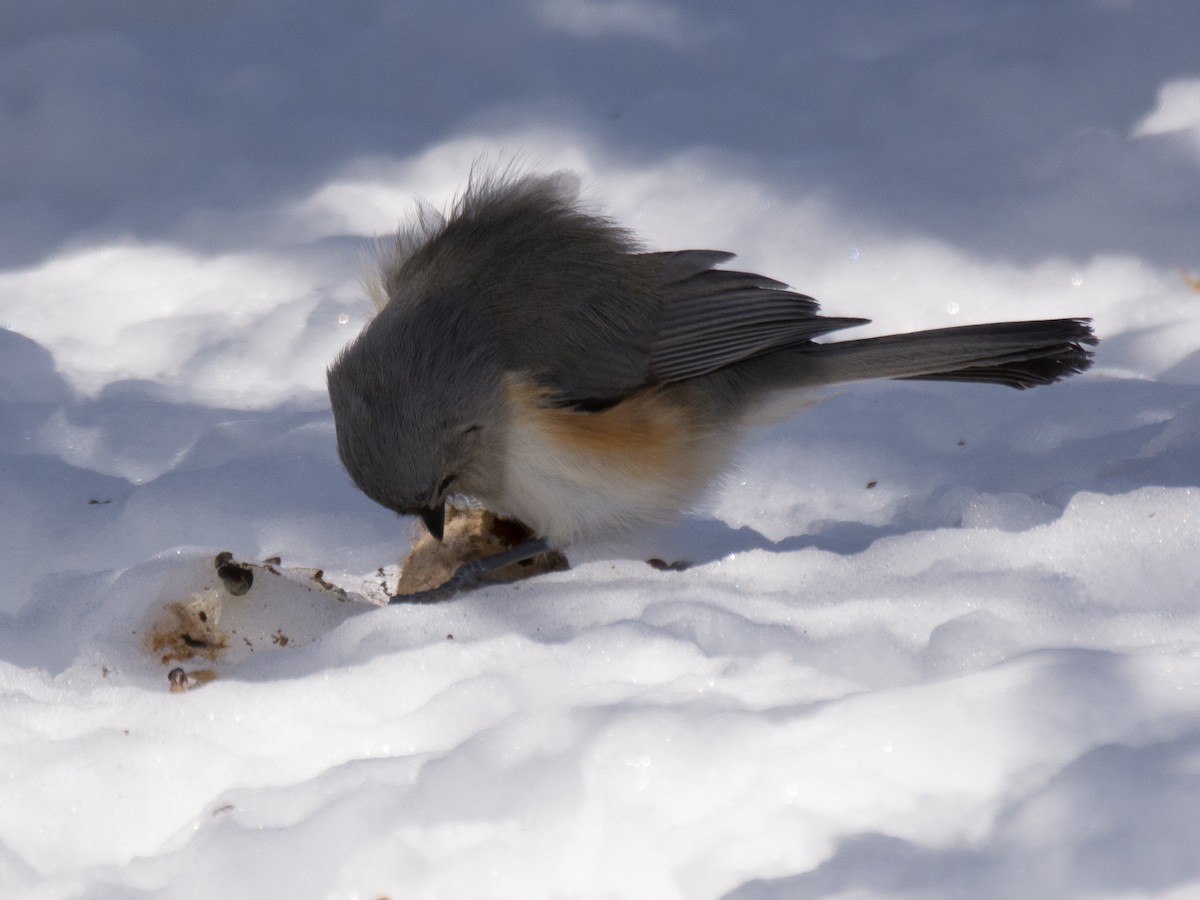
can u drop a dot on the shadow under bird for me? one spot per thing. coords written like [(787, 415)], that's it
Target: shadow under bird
[(531, 355)]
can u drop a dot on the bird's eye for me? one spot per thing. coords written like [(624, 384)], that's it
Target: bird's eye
[(445, 485), (470, 429)]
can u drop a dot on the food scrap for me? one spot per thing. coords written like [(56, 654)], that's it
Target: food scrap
[(471, 533)]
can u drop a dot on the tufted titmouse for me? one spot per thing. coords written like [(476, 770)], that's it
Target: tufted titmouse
[(530, 355)]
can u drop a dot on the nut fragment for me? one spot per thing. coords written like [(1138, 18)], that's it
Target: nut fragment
[(238, 579), (470, 534), (180, 681)]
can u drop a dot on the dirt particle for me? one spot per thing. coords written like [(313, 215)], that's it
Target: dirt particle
[(1192, 281), (183, 634), (679, 565)]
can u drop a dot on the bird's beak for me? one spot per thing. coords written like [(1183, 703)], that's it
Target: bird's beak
[(434, 518)]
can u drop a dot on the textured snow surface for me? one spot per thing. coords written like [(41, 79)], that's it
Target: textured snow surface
[(936, 641)]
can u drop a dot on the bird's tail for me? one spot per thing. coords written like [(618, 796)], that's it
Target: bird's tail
[(1017, 354)]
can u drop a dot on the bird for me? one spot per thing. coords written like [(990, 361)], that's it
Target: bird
[(532, 355)]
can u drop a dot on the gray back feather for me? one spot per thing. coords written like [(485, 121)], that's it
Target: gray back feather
[(574, 303)]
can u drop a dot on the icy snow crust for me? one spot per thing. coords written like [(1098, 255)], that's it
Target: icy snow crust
[(936, 641)]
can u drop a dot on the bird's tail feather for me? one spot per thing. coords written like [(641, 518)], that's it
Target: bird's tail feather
[(1017, 354)]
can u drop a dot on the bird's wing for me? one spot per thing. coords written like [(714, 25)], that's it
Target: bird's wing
[(711, 318)]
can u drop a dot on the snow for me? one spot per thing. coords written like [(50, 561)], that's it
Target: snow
[(937, 641)]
